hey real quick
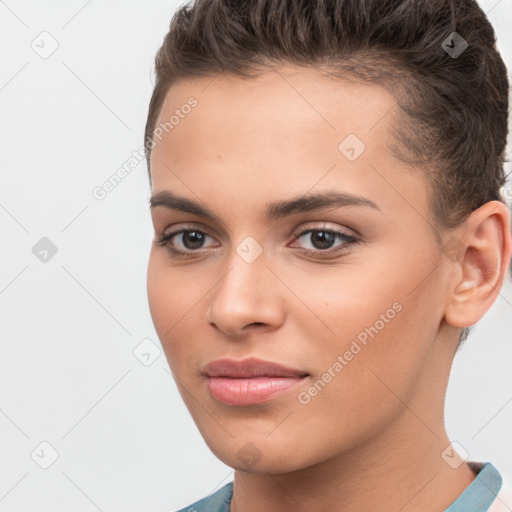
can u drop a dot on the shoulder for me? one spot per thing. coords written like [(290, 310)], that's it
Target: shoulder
[(217, 502)]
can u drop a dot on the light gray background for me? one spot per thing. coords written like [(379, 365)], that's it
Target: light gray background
[(69, 326)]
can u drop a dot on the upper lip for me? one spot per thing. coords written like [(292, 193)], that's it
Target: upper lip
[(251, 367)]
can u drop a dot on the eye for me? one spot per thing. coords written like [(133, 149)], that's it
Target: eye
[(322, 241), (184, 242), (315, 242)]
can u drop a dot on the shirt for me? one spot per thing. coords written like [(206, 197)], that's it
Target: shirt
[(480, 494)]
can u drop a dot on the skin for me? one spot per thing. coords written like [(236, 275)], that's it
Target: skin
[(372, 438)]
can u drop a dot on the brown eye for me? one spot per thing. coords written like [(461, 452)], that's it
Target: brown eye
[(320, 241), (192, 239), (184, 242)]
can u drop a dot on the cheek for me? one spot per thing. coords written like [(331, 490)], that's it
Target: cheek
[(172, 296), (160, 300), (345, 303), (375, 322), (373, 363), (177, 298)]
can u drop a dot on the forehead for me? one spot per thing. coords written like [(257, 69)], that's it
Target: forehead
[(285, 130), (294, 102)]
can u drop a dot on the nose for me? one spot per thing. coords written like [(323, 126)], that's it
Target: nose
[(245, 299)]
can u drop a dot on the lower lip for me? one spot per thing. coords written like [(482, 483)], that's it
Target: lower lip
[(250, 391)]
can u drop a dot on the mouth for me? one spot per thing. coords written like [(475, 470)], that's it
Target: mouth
[(250, 381)]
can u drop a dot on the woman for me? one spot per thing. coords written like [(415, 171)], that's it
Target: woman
[(328, 225)]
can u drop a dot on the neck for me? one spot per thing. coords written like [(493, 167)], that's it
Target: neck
[(386, 475), (400, 469)]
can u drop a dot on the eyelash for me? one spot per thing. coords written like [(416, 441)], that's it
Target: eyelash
[(165, 241)]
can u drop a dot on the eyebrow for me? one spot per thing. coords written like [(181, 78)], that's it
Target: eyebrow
[(274, 210)]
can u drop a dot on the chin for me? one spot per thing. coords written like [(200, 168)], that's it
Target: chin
[(259, 453)]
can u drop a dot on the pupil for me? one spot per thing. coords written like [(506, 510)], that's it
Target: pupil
[(194, 238), (322, 239)]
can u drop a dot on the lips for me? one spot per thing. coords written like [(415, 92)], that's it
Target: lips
[(248, 368), (250, 381)]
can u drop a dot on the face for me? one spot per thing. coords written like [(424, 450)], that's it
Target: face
[(291, 238)]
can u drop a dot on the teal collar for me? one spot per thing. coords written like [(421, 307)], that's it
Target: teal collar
[(481, 492)]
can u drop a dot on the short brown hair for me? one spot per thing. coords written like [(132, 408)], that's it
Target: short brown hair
[(453, 116)]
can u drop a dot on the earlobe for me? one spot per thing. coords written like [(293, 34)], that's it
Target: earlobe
[(479, 273)]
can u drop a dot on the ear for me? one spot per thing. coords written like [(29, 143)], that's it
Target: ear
[(480, 255)]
